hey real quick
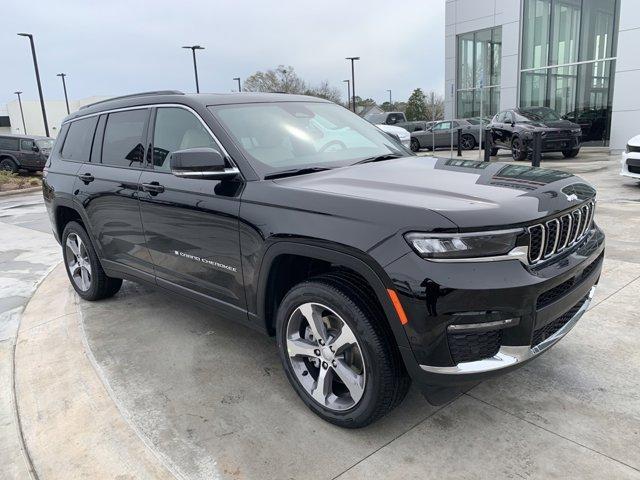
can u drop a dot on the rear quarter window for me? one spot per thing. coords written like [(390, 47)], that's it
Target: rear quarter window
[(77, 143), (9, 143)]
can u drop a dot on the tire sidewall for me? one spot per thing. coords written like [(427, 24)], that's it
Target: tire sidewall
[(74, 227), (355, 319), (522, 155), (13, 166), (470, 139), (415, 145)]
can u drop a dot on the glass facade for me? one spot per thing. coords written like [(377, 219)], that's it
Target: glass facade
[(479, 58), (568, 61)]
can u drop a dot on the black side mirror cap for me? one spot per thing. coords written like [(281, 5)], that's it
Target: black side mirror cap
[(200, 163)]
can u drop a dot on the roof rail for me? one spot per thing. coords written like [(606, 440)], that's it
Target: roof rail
[(133, 95)]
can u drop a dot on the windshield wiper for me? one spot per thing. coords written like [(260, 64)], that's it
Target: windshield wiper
[(294, 171), (379, 158)]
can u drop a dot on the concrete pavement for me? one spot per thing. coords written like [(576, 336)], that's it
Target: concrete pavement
[(145, 385)]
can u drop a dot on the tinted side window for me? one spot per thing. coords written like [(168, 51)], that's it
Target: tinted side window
[(177, 129), (77, 143), (123, 138), (27, 145), (8, 143)]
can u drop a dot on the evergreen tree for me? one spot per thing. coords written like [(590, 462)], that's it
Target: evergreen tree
[(416, 107)]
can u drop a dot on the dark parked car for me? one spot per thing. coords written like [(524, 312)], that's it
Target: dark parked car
[(370, 266), (513, 129), (444, 134), (24, 152), (594, 123), (386, 118)]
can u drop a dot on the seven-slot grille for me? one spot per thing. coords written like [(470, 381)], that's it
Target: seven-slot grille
[(555, 235)]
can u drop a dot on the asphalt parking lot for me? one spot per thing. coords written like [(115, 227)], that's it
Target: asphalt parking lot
[(156, 387)]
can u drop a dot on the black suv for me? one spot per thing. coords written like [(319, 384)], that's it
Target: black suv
[(513, 129), (24, 152), (372, 267)]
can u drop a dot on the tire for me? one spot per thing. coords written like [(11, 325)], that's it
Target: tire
[(467, 142), (494, 152), (570, 153), (374, 360), (518, 149), (8, 165), (88, 278), (415, 145)]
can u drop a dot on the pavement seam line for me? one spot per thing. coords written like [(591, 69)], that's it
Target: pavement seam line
[(553, 433), (46, 322), (437, 410), (613, 293), (164, 461)]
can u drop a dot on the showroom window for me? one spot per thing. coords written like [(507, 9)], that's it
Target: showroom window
[(568, 61), (479, 57)]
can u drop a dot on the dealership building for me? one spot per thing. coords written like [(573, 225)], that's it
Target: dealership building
[(578, 57)]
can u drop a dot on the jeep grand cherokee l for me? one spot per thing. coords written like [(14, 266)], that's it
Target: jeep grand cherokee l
[(370, 266)]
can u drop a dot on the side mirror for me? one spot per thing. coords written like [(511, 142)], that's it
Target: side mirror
[(200, 163), (35, 148)]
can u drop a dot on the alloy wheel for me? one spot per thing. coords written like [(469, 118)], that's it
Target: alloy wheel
[(516, 149), (325, 356), (467, 142), (78, 262)]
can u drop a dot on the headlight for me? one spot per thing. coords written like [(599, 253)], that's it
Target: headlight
[(463, 245), (577, 131)]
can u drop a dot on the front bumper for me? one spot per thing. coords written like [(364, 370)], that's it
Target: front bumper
[(630, 164), (542, 303)]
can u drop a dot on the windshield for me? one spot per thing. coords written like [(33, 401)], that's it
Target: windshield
[(538, 113), (376, 118), (293, 135), (44, 144)]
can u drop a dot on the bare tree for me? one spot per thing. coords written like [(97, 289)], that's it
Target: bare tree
[(434, 103), (326, 91), (285, 80)]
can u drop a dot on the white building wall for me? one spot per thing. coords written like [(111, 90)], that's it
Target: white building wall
[(56, 112), (625, 119), (463, 16)]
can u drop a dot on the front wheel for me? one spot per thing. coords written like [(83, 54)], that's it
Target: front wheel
[(415, 145), (467, 142), (8, 165), (336, 353), (83, 265), (518, 149), (570, 153)]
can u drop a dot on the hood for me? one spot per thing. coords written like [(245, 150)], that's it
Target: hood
[(634, 141), (471, 194), (399, 131)]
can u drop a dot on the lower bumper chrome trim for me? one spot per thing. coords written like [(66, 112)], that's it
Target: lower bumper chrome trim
[(512, 355)]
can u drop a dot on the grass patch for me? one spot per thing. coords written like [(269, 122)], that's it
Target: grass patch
[(14, 181)]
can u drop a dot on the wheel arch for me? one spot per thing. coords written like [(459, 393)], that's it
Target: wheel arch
[(336, 257)]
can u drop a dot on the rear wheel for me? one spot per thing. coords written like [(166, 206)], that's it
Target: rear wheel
[(415, 145), (467, 142), (494, 152), (518, 149), (8, 165), (83, 266), (337, 355), (570, 153)]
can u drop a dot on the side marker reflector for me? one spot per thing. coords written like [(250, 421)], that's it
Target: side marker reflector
[(398, 306)]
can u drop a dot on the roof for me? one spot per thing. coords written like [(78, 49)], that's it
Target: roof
[(194, 100), (29, 137)]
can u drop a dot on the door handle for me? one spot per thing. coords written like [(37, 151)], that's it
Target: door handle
[(86, 178), (153, 188)]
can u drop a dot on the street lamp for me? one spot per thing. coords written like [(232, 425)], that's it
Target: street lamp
[(24, 126), (348, 82), (35, 65), (64, 87), (390, 102), (193, 49), (353, 81), (237, 79)]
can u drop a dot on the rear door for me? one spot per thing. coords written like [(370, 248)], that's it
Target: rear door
[(108, 189), (191, 224)]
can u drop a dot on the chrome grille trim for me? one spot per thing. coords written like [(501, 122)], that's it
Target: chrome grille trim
[(570, 229)]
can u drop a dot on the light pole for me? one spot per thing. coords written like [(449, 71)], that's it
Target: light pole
[(353, 82), (193, 49), (35, 65), (24, 126), (390, 102), (64, 87), (237, 79), (348, 82)]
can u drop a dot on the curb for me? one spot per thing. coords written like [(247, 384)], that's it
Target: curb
[(20, 191)]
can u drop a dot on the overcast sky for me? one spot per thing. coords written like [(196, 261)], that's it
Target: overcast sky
[(117, 47)]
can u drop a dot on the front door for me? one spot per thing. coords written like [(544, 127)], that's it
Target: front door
[(29, 158), (191, 225), (442, 134)]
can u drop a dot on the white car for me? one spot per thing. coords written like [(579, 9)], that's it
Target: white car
[(400, 133), (631, 159)]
